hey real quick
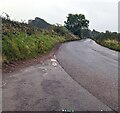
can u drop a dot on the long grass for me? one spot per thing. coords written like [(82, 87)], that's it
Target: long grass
[(110, 43), (20, 41), (21, 46)]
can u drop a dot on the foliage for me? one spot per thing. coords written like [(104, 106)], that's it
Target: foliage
[(10, 26), (63, 31), (21, 41), (76, 22), (110, 43), (85, 33), (107, 39), (22, 46), (39, 23)]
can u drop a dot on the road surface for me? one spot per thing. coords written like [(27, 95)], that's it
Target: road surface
[(94, 67), (84, 85)]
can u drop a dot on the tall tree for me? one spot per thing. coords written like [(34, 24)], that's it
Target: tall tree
[(76, 22)]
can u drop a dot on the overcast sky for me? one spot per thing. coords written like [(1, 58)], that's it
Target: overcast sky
[(102, 14)]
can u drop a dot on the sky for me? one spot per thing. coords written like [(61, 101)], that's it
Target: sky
[(102, 14)]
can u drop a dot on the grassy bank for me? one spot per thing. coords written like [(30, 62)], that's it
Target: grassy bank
[(21, 41), (108, 39), (110, 43), (21, 46)]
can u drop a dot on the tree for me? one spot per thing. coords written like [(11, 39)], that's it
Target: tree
[(76, 22), (85, 33)]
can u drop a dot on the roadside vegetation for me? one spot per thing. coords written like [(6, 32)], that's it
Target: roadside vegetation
[(78, 25), (107, 39), (110, 43), (20, 41)]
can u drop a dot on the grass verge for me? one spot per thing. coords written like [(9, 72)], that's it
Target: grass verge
[(21, 46), (110, 43)]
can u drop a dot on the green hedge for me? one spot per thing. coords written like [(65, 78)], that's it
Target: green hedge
[(21, 46)]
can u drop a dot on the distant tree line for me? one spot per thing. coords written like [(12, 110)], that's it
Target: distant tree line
[(78, 25), (100, 35)]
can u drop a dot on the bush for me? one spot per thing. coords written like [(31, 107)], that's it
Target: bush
[(111, 43), (21, 41), (22, 46)]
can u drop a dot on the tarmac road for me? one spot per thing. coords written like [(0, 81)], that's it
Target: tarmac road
[(94, 67), (48, 87)]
